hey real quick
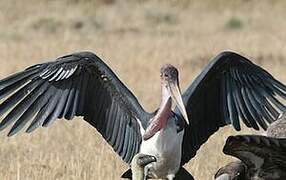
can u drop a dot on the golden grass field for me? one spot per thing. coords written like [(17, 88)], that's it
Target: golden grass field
[(134, 37)]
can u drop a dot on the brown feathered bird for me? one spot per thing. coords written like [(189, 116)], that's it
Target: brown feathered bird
[(262, 157)]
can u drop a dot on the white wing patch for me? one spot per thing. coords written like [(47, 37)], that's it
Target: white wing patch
[(142, 131), (58, 73)]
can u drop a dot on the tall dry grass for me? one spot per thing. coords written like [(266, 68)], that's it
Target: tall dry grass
[(134, 37)]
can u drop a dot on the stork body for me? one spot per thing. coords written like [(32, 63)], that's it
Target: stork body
[(166, 146), (230, 89)]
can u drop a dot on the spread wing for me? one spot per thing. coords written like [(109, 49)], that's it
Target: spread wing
[(79, 84), (230, 88)]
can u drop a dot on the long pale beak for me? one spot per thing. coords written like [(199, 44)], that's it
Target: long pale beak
[(177, 98)]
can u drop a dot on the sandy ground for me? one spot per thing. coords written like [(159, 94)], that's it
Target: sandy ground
[(135, 38)]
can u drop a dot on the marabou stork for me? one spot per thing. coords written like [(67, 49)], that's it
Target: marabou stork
[(229, 88)]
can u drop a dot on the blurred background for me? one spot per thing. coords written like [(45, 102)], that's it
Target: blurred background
[(135, 38)]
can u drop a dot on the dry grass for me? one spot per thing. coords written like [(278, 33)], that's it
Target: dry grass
[(135, 38)]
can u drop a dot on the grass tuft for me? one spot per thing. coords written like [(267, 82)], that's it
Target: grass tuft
[(234, 23)]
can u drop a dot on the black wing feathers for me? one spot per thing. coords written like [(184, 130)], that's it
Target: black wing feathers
[(230, 88), (79, 84)]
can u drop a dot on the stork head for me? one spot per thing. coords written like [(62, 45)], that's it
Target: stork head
[(171, 88), (170, 93)]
